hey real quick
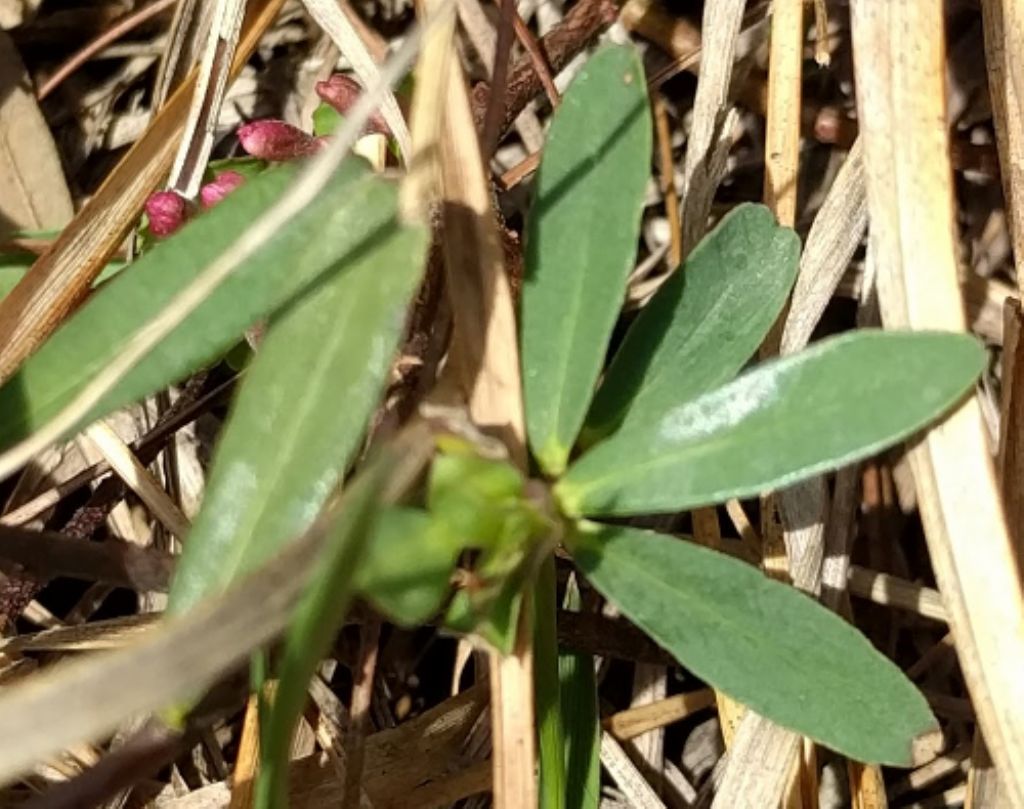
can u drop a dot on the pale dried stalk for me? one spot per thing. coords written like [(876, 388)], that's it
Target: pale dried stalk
[(867, 786), (626, 776), (834, 236), (892, 591), (61, 277), (243, 782), (123, 461), (1004, 37), (746, 782), (640, 719), (483, 361), (912, 224), (792, 526), (214, 68), (710, 116)]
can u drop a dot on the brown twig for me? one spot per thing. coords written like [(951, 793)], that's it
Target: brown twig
[(359, 711), (48, 554), (112, 34), (540, 61), (493, 115), (580, 26)]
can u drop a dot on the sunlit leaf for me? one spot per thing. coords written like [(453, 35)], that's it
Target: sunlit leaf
[(761, 642), (703, 324), (580, 244), (301, 413), (843, 399)]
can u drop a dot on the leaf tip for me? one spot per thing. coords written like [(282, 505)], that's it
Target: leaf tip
[(926, 746)]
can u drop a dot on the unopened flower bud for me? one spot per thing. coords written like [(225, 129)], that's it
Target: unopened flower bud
[(222, 185), (274, 140), (167, 211)]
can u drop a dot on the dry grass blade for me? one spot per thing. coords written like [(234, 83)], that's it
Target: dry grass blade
[(911, 207), (892, 591), (626, 775), (211, 83), (483, 358), (61, 277), (302, 192), (834, 237), (710, 120)]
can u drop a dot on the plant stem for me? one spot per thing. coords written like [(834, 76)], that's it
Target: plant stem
[(545, 668)]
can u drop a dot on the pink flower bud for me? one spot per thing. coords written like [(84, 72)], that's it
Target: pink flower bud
[(269, 139), (222, 185), (167, 211), (341, 92)]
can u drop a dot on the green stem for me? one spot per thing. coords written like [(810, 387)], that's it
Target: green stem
[(545, 668)]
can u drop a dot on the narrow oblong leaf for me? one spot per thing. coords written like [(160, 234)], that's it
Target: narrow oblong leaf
[(580, 245), (301, 413), (704, 323), (353, 213), (763, 643), (843, 399), (582, 728)]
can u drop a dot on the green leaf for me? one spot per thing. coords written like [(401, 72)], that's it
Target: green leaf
[(761, 642), (249, 167), (407, 566), (353, 214), (841, 400), (578, 688), (480, 499), (482, 504), (703, 324), (300, 414), (325, 120), (580, 244), (13, 267), (314, 626), (493, 614)]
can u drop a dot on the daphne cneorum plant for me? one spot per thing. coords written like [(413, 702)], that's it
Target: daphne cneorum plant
[(671, 423)]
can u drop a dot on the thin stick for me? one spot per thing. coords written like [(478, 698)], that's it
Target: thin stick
[(359, 712), (495, 113), (112, 34), (537, 56), (666, 167), (123, 461)]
